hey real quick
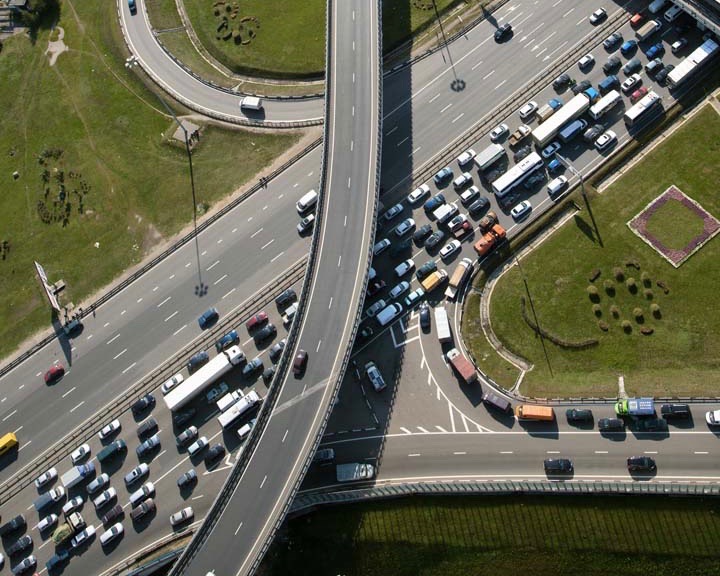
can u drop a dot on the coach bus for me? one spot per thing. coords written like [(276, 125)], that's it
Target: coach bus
[(515, 176), (639, 111)]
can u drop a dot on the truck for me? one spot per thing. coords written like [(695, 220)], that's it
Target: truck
[(442, 324), (289, 314), (461, 273), (52, 496), (487, 221), (534, 412), (522, 132), (489, 156), (462, 366), (228, 400), (445, 212), (460, 225), (197, 382), (354, 472), (544, 112), (77, 474), (572, 130), (73, 524), (635, 407), (235, 412), (434, 280), (647, 30), (490, 239), (545, 132)]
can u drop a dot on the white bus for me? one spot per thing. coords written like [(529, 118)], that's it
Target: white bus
[(638, 111), (489, 156), (605, 104), (503, 185), (693, 61), (232, 414)]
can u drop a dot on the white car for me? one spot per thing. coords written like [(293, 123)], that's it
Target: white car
[(449, 249), (105, 498), (550, 149), (469, 195), (182, 516), (399, 289), (136, 473), (115, 531), (216, 392), (72, 504), (375, 377), (598, 16), (306, 223), (466, 157), (528, 110), (404, 227), (46, 478), (109, 430), (605, 140), (392, 212), (412, 298), (170, 384), (630, 84), (499, 132), (678, 45), (47, 522), (521, 210), (463, 180), (80, 453), (713, 418), (198, 445), (381, 246), (375, 308), (82, 537), (99, 482), (418, 194), (586, 61), (404, 267)]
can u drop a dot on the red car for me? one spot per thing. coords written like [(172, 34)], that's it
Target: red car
[(56, 372), (258, 320), (300, 362), (639, 93)]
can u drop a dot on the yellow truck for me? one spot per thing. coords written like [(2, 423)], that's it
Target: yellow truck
[(533, 412), (434, 280)]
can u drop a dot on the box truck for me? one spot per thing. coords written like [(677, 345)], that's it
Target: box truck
[(534, 412), (635, 407), (462, 366)]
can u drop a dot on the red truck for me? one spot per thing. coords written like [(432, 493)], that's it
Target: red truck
[(492, 237), (460, 225), (462, 366)]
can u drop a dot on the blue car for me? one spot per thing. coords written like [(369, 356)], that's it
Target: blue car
[(628, 47), (132, 6), (434, 202), (555, 104), (208, 318), (655, 51), (443, 176), (230, 339), (554, 166)]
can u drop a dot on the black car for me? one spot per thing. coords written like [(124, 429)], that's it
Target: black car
[(197, 361), (374, 286), (612, 64), (180, 418), (214, 454), (286, 298), (521, 153), (581, 87), (365, 333), (266, 332), (503, 32), (148, 427), (641, 464), (612, 41), (425, 317), (187, 479), (651, 425), (422, 233), (60, 558), (672, 411), (479, 206), (276, 350), (593, 133), (558, 466), (145, 403), (610, 424), (661, 77), (400, 248), (562, 81), (425, 270), (113, 514), (13, 525), (268, 374), (435, 240), (578, 415), (632, 66), (19, 545), (534, 180)]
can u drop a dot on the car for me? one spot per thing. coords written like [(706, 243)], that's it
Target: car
[(470, 195), (12, 525), (374, 287), (54, 374), (533, 180), (256, 321), (425, 270), (113, 514), (459, 224), (181, 418), (499, 132), (276, 350), (418, 194), (449, 249), (47, 522), (613, 40), (503, 32), (435, 240), (114, 532), (598, 16), (381, 246), (214, 454), (392, 212), (632, 66), (479, 206), (197, 361), (46, 477), (404, 227), (208, 318), (20, 544), (629, 84), (105, 498), (143, 509), (661, 77), (24, 565), (98, 483), (651, 425), (678, 45), (80, 453), (285, 298), (306, 223), (610, 424), (132, 6), (145, 491), (148, 446), (375, 377), (422, 233), (655, 51), (522, 152), (109, 430), (488, 221), (465, 179), (638, 94), (404, 267), (230, 339), (558, 466), (712, 418), (425, 320), (136, 473), (300, 362), (561, 82), (186, 436), (399, 289), (365, 333), (556, 186), (654, 66), (628, 47), (578, 415), (376, 307), (586, 61), (143, 404), (171, 383), (83, 537), (434, 203), (611, 64), (182, 516), (555, 166), (521, 210), (641, 464), (216, 392), (443, 176), (606, 140), (550, 149), (72, 505), (60, 558), (252, 366), (636, 20), (593, 133), (147, 428), (581, 87), (414, 296), (675, 411), (528, 110), (187, 479), (265, 333), (466, 157)]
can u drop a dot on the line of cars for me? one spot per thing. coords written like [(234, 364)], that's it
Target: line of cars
[(564, 466)]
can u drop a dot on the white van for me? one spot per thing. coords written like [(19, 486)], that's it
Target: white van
[(228, 400), (656, 6), (673, 13), (556, 186), (245, 429), (389, 313), (307, 202), (251, 103), (445, 212)]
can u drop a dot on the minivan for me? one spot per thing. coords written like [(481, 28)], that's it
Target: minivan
[(556, 186), (672, 13), (307, 201), (497, 402), (251, 103), (389, 314)]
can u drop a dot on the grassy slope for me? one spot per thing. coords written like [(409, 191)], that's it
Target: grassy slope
[(681, 357), (109, 127)]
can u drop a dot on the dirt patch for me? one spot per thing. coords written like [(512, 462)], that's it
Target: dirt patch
[(56, 46)]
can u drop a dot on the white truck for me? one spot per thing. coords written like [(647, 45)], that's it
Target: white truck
[(442, 324), (354, 472), (458, 277), (228, 400), (489, 156), (235, 412), (77, 474)]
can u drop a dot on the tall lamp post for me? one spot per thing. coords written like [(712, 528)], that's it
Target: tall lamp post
[(457, 84), (569, 165)]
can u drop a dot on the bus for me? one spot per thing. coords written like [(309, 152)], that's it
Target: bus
[(605, 104), (638, 112), (515, 176), (7, 443), (690, 64)]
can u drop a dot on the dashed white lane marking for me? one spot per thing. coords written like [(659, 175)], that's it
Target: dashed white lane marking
[(203, 253), (129, 367), (459, 453), (568, 13), (263, 481), (10, 415), (220, 241), (113, 339), (413, 455), (220, 279), (650, 452), (69, 392), (123, 313), (552, 452), (235, 229), (172, 315), (446, 108), (317, 349), (106, 324), (179, 329), (601, 451), (212, 265), (488, 74), (702, 452), (499, 85), (156, 288), (78, 406), (434, 98), (23, 385), (198, 497), (403, 141), (228, 294), (256, 233), (457, 117), (506, 452), (171, 276), (284, 436), (476, 65), (394, 129), (268, 244), (89, 337), (276, 257), (238, 528), (120, 354), (18, 430), (165, 301), (25, 445)]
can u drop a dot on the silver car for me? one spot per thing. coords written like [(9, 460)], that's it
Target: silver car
[(184, 515)]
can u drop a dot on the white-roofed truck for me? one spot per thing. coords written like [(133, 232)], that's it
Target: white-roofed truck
[(73, 524)]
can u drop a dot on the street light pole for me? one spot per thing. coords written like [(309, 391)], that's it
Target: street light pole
[(565, 162), (457, 84)]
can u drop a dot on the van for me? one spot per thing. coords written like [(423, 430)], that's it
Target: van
[(251, 103), (497, 402), (445, 212), (111, 450), (656, 6), (556, 186), (389, 313), (307, 202), (672, 14), (245, 429), (7, 443)]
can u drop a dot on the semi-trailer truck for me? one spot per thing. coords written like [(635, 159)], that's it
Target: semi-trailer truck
[(354, 472), (635, 407), (462, 366), (534, 412)]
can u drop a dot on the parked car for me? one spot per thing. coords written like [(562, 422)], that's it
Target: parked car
[(678, 45), (404, 267), (381, 246), (632, 81), (187, 479), (171, 383), (214, 454), (25, 565), (606, 140), (197, 361), (98, 484), (611, 64), (25, 541), (561, 82), (466, 157), (276, 350), (425, 270), (586, 61), (216, 392), (628, 47), (581, 87), (115, 531), (655, 51), (418, 194), (593, 133), (404, 227), (113, 514), (392, 212), (612, 41), (148, 446), (105, 498), (470, 195), (47, 522), (374, 308), (140, 471), (610, 424), (479, 206), (148, 427), (443, 176), (422, 233), (182, 516), (434, 203), (252, 366), (521, 210), (434, 240), (71, 505), (109, 430), (638, 94), (528, 110), (183, 417), (465, 179), (46, 477), (399, 289), (266, 332), (414, 297), (632, 66), (533, 180), (449, 249), (499, 132), (661, 77), (286, 297), (550, 149), (522, 152), (256, 321), (145, 508), (80, 453), (83, 537), (230, 339), (186, 436), (374, 287)]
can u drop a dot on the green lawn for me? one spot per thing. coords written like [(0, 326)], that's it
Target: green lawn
[(675, 225), (163, 14), (495, 536), (124, 189), (681, 356)]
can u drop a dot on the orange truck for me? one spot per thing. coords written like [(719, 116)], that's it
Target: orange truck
[(533, 412), (488, 241)]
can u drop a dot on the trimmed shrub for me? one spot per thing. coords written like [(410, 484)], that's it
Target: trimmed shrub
[(645, 279), (593, 294), (647, 330), (603, 325), (597, 310), (619, 273), (655, 309), (638, 313), (626, 326), (631, 285), (648, 293), (609, 287), (615, 311)]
